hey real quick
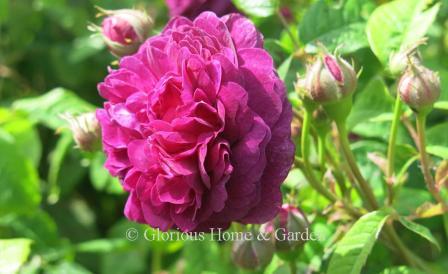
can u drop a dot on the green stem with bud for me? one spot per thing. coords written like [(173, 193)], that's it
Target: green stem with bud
[(364, 185), (390, 232), (321, 140), (305, 145), (426, 170), (308, 172), (391, 150)]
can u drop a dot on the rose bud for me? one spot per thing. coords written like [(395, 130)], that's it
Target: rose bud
[(125, 30), (252, 254), (330, 79), (399, 61), (419, 87), (289, 229), (86, 130)]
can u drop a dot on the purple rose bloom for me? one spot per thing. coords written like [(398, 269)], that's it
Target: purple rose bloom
[(192, 8), (197, 126)]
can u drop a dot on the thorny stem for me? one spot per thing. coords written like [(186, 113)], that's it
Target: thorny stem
[(364, 185), (391, 150)]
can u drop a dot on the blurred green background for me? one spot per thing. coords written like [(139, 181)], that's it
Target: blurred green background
[(63, 211)]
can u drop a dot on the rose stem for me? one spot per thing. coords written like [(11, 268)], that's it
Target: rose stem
[(156, 264), (365, 187), (309, 173), (407, 255), (391, 150), (288, 31), (305, 145), (293, 267), (321, 150), (430, 183)]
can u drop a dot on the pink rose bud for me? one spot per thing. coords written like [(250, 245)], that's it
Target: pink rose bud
[(289, 228), (253, 254), (86, 130), (125, 30), (330, 79), (419, 87)]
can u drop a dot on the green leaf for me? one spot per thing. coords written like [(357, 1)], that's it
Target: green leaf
[(420, 230), (336, 25), (257, 8), (67, 268), (36, 225), (437, 140), (100, 177), (284, 68), (85, 47), (441, 105), (103, 245), (19, 182), (401, 270), (14, 253), (439, 151), (352, 251), (25, 135), (397, 25), (409, 199), (46, 109), (374, 100)]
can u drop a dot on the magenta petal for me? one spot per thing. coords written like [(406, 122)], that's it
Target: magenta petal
[(196, 125)]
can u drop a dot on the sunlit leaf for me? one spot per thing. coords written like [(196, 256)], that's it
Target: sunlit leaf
[(46, 109), (257, 8), (336, 25), (14, 252), (19, 181), (352, 251), (397, 25)]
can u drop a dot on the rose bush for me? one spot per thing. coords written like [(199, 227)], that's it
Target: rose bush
[(197, 126)]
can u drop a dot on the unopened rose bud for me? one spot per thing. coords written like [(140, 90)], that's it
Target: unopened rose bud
[(329, 79), (125, 30), (85, 129), (289, 228), (252, 254), (398, 61), (419, 87)]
